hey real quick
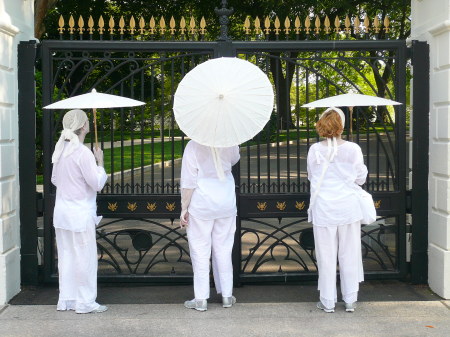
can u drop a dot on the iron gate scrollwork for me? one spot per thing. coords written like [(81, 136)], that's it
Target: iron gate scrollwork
[(274, 190), (142, 148), (138, 239)]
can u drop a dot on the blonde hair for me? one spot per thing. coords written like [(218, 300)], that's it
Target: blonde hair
[(330, 124)]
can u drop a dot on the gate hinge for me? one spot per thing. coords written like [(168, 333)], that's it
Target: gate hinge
[(408, 201), (39, 204)]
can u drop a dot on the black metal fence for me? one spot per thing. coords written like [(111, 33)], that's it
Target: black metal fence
[(139, 239)]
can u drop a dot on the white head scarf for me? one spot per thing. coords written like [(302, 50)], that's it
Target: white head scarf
[(332, 144), (72, 121)]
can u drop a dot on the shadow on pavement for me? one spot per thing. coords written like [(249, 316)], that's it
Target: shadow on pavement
[(370, 291)]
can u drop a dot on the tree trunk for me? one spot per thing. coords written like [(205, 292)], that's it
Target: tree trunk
[(381, 80), (41, 8), (283, 83)]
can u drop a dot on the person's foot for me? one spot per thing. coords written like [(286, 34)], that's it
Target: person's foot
[(200, 305), (350, 307), (228, 302), (322, 307), (101, 308)]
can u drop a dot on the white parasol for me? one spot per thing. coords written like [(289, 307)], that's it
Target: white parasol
[(350, 100), (94, 100), (223, 102)]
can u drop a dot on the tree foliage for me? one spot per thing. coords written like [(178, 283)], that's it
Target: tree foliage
[(379, 75), (397, 10)]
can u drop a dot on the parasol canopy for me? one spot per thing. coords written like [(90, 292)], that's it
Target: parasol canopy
[(94, 100), (350, 100), (223, 102)]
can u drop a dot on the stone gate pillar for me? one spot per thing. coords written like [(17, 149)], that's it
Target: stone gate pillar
[(16, 24), (431, 23)]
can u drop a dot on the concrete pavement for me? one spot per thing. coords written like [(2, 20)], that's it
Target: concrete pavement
[(386, 308), (404, 318)]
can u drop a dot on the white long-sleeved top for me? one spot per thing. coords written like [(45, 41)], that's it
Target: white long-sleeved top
[(337, 202), (77, 179), (212, 198)]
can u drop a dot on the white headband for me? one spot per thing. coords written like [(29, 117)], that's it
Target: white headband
[(339, 111)]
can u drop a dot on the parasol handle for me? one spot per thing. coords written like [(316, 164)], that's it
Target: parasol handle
[(95, 127)]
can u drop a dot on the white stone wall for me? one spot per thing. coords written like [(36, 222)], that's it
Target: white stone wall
[(16, 24), (431, 23)]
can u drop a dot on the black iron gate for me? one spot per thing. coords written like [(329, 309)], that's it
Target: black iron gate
[(139, 240)]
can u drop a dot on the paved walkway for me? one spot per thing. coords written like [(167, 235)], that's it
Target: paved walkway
[(386, 308), (244, 319), (272, 161)]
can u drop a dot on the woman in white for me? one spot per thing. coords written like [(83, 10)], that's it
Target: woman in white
[(336, 169), (77, 178), (208, 203)]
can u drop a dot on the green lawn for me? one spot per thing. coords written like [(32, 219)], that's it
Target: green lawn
[(127, 135), (131, 156)]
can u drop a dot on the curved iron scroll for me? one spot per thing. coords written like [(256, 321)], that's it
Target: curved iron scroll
[(284, 246), (143, 247)]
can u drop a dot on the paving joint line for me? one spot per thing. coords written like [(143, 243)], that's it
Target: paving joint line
[(445, 304), (4, 308)]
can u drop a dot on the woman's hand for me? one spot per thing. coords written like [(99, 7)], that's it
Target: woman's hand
[(98, 154), (184, 218)]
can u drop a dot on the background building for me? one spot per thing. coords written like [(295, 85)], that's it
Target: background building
[(431, 23)]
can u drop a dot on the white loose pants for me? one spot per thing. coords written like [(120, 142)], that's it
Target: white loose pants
[(216, 237), (77, 268), (343, 243)]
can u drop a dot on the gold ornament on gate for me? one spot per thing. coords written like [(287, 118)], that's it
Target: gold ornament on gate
[(281, 205), (112, 206), (170, 207), (151, 207), (300, 205), (261, 206), (132, 206), (377, 204)]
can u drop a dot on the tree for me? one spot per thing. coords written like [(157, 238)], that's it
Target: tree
[(397, 10), (41, 9)]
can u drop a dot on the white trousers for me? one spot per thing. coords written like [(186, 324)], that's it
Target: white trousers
[(342, 243), (77, 268), (216, 237)]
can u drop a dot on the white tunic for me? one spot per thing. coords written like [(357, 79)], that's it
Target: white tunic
[(337, 202), (77, 178), (212, 198)]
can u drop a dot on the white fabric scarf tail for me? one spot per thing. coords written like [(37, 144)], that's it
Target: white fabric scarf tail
[(217, 162), (74, 141), (332, 149)]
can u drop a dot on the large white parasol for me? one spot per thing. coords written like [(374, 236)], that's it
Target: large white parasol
[(350, 100), (223, 102), (94, 100)]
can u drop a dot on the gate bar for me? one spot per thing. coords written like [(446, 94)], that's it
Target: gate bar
[(27, 51), (420, 162)]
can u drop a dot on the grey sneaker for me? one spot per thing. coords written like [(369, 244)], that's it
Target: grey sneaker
[(350, 307), (101, 308), (200, 305), (322, 307), (228, 302)]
